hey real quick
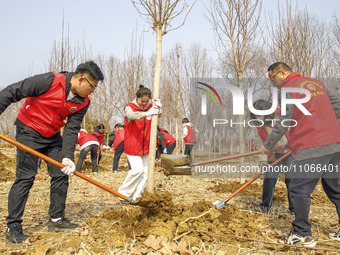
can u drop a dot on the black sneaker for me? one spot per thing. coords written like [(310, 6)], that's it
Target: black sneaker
[(14, 235), (60, 225), (335, 236)]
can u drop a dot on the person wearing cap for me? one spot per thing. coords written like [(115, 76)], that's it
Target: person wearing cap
[(51, 98), (99, 133), (117, 143), (88, 143), (137, 123)]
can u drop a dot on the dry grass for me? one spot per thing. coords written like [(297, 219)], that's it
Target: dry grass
[(87, 202)]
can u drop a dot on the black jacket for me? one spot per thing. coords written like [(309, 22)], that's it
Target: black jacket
[(36, 86)]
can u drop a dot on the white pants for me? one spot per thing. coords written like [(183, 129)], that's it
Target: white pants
[(134, 182)]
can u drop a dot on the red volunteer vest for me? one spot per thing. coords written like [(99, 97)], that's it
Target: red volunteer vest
[(191, 135), (99, 135), (119, 137), (85, 137), (262, 131), (169, 139), (320, 128), (137, 133), (46, 113)]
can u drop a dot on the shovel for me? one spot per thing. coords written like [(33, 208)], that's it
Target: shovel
[(60, 165), (178, 146), (180, 164), (98, 154), (221, 204)]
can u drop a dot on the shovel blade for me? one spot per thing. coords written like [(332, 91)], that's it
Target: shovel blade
[(176, 164), (219, 204)]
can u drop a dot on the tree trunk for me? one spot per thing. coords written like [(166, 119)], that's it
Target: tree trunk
[(231, 148), (153, 134), (241, 136), (176, 125)]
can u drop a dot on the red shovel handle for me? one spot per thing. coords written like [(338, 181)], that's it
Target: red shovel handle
[(233, 156), (177, 147), (257, 176), (60, 165)]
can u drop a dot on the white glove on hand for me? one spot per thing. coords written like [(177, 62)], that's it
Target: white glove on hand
[(69, 167), (152, 111), (158, 103), (165, 151)]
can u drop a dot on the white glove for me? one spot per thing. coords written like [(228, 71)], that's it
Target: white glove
[(152, 111), (158, 103), (69, 167), (165, 151)]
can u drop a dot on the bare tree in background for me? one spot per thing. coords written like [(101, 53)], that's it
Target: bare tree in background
[(64, 56), (236, 27), (300, 40), (181, 68), (198, 67), (8, 118), (159, 14), (134, 69), (172, 90), (106, 101)]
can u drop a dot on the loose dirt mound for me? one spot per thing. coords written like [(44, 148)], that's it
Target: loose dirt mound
[(230, 187), (164, 218), (179, 217)]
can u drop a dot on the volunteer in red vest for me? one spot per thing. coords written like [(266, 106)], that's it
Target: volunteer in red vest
[(271, 175), (51, 98), (117, 143), (166, 143), (189, 137), (137, 120), (99, 133), (315, 144), (88, 143)]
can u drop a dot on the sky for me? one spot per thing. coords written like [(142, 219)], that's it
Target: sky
[(29, 28)]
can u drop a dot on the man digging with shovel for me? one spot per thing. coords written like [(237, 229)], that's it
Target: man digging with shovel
[(314, 143), (50, 99)]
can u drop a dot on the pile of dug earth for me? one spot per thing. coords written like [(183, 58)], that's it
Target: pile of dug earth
[(157, 215)]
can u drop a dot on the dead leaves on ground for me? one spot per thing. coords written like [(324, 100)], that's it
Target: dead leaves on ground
[(162, 245)]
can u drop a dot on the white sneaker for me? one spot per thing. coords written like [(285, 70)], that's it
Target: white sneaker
[(294, 239)]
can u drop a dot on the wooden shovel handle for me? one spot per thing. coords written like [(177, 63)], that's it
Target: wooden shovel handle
[(60, 165), (233, 156), (177, 147)]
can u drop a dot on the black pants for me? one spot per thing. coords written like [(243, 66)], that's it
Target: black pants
[(170, 148), (303, 184), (26, 170), (118, 152), (188, 148), (270, 180), (94, 150)]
